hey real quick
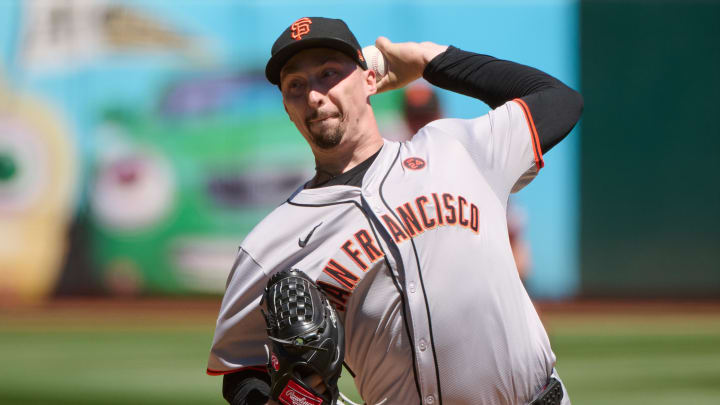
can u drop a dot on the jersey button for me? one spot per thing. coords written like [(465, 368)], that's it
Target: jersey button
[(429, 399), (412, 286), (422, 345)]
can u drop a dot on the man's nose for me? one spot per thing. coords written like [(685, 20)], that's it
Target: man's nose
[(315, 97)]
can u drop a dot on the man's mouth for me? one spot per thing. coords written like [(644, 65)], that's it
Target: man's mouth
[(313, 120)]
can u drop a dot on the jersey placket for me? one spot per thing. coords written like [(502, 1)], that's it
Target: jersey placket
[(420, 321), (417, 307)]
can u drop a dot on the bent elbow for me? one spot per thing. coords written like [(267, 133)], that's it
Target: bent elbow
[(578, 104)]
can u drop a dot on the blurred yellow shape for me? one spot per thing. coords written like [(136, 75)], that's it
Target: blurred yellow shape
[(37, 185)]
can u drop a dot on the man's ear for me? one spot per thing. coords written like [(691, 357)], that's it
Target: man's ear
[(370, 83)]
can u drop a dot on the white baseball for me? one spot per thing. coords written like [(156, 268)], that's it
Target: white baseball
[(375, 61)]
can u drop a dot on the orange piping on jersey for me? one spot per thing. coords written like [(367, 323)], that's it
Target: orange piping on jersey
[(539, 163), (219, 372)]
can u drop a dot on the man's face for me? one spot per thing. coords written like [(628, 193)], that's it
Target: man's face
[(325, 93)]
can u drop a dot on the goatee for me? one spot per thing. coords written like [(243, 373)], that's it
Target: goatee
[(328, 139)]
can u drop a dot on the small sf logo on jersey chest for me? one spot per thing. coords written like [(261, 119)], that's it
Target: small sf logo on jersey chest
[(414, 163)]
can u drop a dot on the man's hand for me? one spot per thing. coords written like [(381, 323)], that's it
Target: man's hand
[(406, 61), (305, 351)]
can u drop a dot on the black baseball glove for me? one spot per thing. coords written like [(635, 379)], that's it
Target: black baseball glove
[(306, 337)]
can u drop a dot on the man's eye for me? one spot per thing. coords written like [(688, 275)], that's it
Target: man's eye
[(329, 72), (294, 85)]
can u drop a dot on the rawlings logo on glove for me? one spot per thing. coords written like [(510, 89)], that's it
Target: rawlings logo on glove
[(296, 395)]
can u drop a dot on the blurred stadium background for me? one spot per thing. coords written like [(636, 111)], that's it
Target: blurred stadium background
[(139, 143)]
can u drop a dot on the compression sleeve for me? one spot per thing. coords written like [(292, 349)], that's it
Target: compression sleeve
[(555, 108)]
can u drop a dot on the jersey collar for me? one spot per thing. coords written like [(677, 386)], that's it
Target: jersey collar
[(334, 194)]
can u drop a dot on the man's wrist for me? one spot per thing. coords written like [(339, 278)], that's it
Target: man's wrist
[(430, 50), (252, 391)]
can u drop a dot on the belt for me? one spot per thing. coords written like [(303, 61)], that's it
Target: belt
[(551, 394)]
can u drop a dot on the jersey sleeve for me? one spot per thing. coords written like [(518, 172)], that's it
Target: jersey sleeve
[(240, 331), (503, 144)]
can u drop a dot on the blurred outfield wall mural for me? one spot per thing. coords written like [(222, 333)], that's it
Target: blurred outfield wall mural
[(167, 144)]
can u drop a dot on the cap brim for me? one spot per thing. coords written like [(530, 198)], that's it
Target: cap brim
[(277, 61)]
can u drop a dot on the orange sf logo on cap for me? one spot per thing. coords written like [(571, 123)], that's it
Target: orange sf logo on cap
[(300, 27)]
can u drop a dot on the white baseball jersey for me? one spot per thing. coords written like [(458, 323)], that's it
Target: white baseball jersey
[(418, 263)]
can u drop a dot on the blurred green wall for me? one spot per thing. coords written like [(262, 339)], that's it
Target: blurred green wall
[(650, 195)]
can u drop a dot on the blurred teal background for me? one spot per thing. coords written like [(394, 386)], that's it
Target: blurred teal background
[(180, 145)]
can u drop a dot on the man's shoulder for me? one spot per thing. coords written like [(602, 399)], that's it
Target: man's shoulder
[(441, 132), (500, 121), (268, 235), (449, 127), (278, 220)]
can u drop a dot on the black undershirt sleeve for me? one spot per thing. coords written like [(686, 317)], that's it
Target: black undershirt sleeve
[(246, 387), (555, 108)]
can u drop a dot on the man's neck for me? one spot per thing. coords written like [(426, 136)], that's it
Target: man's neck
[(347, 155)]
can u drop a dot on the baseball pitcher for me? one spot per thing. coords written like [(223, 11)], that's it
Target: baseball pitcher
[(401, 246)]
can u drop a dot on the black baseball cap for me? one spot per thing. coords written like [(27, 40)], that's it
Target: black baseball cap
[(312, 32)]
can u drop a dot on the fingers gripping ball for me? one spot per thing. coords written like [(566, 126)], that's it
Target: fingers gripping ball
[(375, 61), (306, 338)]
